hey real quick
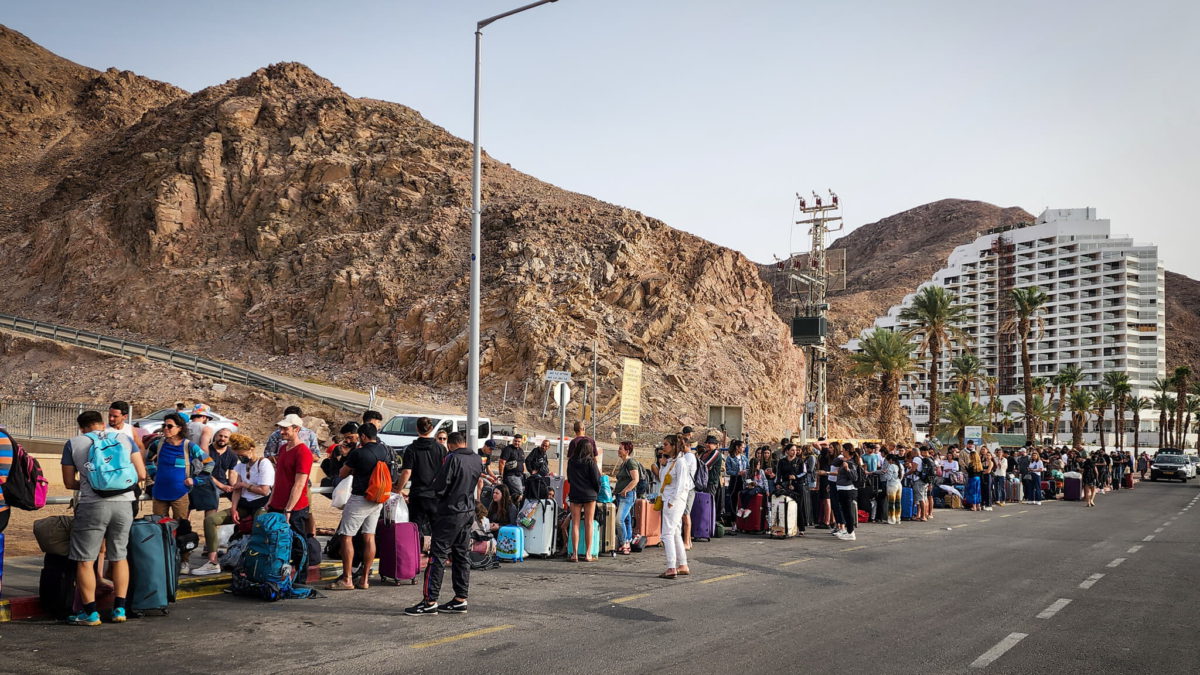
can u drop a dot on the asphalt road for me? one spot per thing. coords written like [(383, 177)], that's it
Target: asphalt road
[(998, 592)]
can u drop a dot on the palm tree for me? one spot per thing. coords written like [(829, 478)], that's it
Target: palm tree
[(1065, 379), (1163, 387), (1136, 405), (1118, 382), (960, 413), (1180, 380), (1164, 402), (1040, 385), (1102, 399), (1193, 406), (994, 406), (936, 318), (1081, 407), (1006, 421), (1037, 415), (966, 373), (1027, 303), (885, 355)]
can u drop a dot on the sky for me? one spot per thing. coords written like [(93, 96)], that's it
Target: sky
[(712, 115)]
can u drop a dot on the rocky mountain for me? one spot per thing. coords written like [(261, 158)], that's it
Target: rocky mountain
[(274, 214)]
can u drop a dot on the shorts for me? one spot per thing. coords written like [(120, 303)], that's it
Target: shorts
[(177, 508), (920, 491), (98, 521), (691, 500), (359, 515)]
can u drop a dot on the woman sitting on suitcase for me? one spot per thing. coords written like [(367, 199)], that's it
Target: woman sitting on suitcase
[(792, 481), (502, 511)]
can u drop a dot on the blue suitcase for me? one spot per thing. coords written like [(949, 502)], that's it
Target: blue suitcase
[(510, 544), (907, 508), (572, 549), (704, 516), (153, 564)]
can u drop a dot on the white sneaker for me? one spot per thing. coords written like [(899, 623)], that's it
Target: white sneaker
[(1037, 503), (206, 569), (987, 508), (847, 537), (183, 567)]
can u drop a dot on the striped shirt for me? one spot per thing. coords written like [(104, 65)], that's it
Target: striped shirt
[(7, 445)]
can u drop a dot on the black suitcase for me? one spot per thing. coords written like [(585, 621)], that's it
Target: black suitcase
[(56, 587)]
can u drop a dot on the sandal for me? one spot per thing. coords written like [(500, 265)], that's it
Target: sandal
[(664, 575), (589, 559), (362, 585), (573, 558), (339, 585), (683, 571)]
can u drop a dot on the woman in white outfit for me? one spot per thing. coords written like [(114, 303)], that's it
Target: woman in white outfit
[(677, 487)]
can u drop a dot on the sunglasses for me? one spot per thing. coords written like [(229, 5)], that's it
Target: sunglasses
[(170, 426)]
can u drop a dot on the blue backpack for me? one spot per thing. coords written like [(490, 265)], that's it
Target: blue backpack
[(110, 469), (265, 570)]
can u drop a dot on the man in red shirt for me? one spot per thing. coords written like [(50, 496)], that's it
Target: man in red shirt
[(292, 466)]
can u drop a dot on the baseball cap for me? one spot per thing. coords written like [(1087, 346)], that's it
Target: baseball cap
[(292, 420), (489, 443)]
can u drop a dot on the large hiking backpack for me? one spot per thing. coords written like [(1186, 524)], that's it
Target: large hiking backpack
[(266, 569), (26, 487), (928, 470), (110, 469)]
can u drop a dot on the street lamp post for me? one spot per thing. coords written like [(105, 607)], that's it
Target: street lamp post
[(476, 211)]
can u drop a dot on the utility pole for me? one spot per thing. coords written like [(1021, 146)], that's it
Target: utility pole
[(810, 277)]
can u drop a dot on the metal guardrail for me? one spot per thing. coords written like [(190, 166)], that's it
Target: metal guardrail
[(190, 362)]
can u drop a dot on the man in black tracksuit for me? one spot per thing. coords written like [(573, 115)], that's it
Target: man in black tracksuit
[(422, 460), (456, 487)]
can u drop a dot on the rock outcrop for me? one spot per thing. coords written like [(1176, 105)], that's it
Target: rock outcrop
[(274, 213)]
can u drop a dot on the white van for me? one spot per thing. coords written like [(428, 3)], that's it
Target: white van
[(401, 430)]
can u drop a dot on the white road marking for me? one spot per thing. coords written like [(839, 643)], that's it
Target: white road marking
[(1158, 531), (1091, 581), (1135, 549), (1115, 562), (996, 652), (1166, 523), (1054, 608), (1147, 537)]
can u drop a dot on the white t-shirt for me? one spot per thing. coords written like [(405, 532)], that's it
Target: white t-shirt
[(125, 430), (260, 473), (1001, 466)]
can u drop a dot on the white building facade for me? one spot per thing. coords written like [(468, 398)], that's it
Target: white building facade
[(1106, 309)]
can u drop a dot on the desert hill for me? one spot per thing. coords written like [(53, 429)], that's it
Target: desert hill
[(274, 214)]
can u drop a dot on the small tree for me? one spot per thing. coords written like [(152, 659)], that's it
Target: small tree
[(961, 412), (1081, 408)]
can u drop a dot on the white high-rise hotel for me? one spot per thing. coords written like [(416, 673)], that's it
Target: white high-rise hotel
[(1106, 309)]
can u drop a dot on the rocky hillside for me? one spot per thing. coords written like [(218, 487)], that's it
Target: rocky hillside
[(274, 214)]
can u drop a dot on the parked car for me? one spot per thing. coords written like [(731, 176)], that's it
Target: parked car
[(150, 423), (1172, 465), (401, 430)]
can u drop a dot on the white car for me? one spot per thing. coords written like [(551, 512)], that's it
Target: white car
[(401, 430), (1172, 465), (150, 423)]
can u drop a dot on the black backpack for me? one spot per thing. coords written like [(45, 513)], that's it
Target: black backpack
[(928, 472), (643, 485)]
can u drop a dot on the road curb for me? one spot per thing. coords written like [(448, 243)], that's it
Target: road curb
[(29, 607)]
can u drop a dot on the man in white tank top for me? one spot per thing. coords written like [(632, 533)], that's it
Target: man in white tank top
[(118, 422)]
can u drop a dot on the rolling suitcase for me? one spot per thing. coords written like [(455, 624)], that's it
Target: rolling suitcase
[(1072, 489), (56, 587), (539, 538), (606, 513), (784, 515), (579, 549), (647, 522), (1016, 492), (510, 543), (399, 547), (153, 565), (907, 508), (753, 522), (1127, 481), (704, 516)]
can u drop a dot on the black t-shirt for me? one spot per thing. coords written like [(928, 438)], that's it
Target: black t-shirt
[(424, 458), (223, 463), (514, 460), (362, 461)]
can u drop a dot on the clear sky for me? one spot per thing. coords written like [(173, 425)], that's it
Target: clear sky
[(711, 115)]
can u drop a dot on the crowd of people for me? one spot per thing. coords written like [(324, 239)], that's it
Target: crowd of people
[(458, 498)]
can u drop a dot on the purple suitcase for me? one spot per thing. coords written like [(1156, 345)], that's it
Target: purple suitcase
[(1072, 489), (399, 552), (704, 516)]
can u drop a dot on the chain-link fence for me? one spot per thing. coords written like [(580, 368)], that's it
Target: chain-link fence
[(44, 420)]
